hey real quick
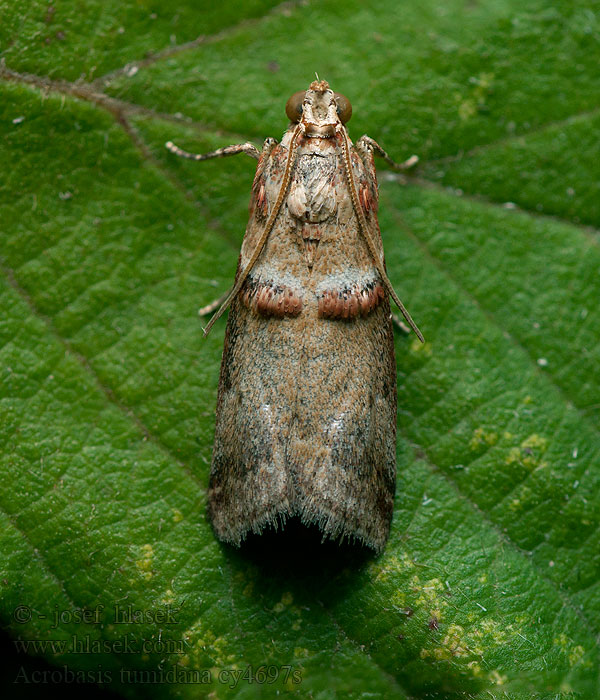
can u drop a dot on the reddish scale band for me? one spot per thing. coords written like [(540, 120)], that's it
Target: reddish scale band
[(351, 302), (270, 299)]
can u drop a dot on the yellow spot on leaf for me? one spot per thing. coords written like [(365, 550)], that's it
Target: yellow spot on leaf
[(467, 109), (576, 654), (392, 564), (469, 106), (144, 563), (497, 678), (419, 348), (452, 646), (399, 599), (286, 600), (460, 643), (482, 438), (430, 596), (453, 641), (168, 598), (514, 455), (475, 668), (497, 632), (535, 440), (562, 641), (529, 453), (204, 642)]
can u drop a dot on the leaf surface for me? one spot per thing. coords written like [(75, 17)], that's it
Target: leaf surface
[(490, 582)]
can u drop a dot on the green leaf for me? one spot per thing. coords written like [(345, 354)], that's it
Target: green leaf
[(490, 584)]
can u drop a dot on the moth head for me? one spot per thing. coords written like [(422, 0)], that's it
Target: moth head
[(319, 108)]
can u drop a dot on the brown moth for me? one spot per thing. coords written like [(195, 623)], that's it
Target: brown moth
[(306, 409)]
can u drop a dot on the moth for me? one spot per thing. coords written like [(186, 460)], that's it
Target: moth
[(306, 408)]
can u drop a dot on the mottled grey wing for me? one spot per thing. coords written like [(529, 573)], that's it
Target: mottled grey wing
[(342, 448), (250, 483)]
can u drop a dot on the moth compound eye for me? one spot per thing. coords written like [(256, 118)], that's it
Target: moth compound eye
[(344, 108), (293, 107)]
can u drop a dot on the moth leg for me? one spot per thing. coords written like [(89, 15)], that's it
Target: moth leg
[(248, 148), (214, 304), (399, 324), (366, 143)]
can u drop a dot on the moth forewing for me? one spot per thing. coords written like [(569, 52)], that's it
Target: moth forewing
[(306, 408)]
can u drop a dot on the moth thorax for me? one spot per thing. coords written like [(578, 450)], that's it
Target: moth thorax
[(311, 235)]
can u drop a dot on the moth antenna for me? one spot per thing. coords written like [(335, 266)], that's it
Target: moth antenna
[(265, 234), (364, 226)]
